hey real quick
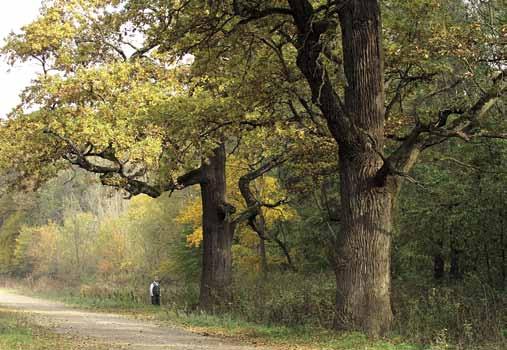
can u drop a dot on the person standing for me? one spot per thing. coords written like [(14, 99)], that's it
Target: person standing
[(155, 292)]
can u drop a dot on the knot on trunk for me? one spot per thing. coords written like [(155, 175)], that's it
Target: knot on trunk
[(226, 210)]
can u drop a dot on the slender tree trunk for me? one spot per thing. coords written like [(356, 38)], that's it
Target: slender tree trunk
[(455, 269), (260, 226), (438, 261), (216, 277), (261, 222), (263, 257), (76, 236), (503, 255), (281, 242), (488, 262), (256, 218)]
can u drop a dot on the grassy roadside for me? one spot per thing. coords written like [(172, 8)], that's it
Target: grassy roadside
[(18, 332), (285, 337), (228, 326), (233, 327)]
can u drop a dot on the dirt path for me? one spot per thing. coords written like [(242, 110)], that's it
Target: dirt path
[(118, 331)]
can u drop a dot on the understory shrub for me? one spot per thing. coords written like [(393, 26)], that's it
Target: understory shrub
[(464, 313)]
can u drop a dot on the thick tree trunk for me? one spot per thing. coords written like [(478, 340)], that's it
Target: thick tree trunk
[(216, 277), (364, 252), (363, 267), (368, 185)]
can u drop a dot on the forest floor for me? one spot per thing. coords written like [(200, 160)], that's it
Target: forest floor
[(112, 331)]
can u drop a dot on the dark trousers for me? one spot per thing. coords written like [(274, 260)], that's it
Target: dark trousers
[(155, 300)]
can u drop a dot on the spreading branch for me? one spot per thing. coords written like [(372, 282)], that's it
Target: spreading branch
[(423, 136), (253, 205), (115, 174), (253, 214)]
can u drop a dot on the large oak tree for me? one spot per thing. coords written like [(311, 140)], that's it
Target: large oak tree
[(134, 116), (442, 76)]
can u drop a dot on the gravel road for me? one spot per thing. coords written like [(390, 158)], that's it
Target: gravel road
[(117, 331)]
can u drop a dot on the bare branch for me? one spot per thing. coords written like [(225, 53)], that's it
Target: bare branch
[(253, 205), (469, 166)]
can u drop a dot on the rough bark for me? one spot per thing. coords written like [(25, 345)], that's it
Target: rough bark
[(363, 270), (216, 276), (370, 181), (368, 188), (363, 267)]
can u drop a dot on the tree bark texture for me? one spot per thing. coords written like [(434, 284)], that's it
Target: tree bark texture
[(369, 182), (364, 249), (216, 276)]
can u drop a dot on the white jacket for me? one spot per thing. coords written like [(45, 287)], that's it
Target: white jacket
[(152, 285)]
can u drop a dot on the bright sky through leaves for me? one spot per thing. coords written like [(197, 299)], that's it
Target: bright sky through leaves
[(13, 15)]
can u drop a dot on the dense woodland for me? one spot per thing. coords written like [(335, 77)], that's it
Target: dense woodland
[(337, 164)]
